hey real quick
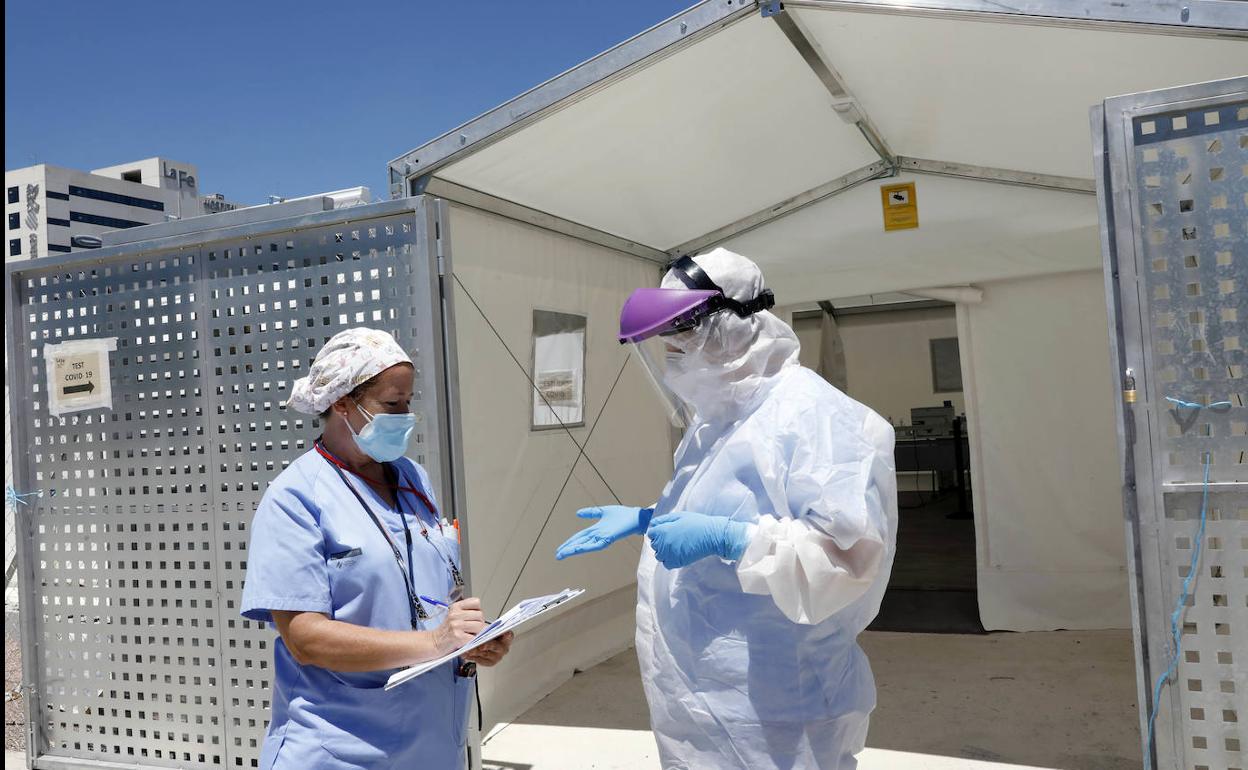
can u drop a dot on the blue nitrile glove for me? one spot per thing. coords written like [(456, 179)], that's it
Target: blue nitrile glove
[(680, 538), (614, 522)]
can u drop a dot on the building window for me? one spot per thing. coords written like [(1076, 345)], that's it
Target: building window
[(95, 219), (125, 200), (57, 195), (62, 249), (15, 247), (13, 195), (135, 176), (58, 222), (15, 221)]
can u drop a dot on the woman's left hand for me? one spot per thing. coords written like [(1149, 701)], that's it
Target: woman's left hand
[(491, 652)]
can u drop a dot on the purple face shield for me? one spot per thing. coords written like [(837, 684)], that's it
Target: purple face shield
[(650, 312)]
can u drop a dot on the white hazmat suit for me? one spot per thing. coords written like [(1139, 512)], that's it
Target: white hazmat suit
[(755, 664)]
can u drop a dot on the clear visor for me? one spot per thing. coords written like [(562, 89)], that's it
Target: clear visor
[(652, 355)]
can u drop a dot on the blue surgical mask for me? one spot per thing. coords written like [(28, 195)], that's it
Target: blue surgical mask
[(385, 436)]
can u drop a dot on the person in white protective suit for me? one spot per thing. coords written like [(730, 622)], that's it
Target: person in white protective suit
[(770, 547)]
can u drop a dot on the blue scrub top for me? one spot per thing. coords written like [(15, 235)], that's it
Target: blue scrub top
[(315, 549)]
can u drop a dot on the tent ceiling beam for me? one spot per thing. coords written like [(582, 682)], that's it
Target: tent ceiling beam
[(1217, 18), (879, 170), (998, 175), (840, 311), (466, 196), (627, 58), (785, 207), (843, 102)]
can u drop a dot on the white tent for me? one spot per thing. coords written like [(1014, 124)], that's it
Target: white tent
[(769, 128)]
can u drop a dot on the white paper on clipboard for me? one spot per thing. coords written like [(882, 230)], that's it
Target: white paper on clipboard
[(518, 615)]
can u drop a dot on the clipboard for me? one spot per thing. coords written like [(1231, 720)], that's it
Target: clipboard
[(512, 618)]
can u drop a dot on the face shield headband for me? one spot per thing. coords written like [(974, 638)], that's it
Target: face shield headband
[(663, 312)]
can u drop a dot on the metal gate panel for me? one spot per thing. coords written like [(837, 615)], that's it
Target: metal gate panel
[(134, 557), (1174, 185)]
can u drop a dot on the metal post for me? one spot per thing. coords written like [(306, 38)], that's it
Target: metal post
[(959, 464)]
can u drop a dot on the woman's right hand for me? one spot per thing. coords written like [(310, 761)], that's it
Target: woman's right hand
[(463, 621)]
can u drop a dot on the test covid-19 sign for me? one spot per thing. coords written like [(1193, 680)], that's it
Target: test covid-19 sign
[(78, 375)]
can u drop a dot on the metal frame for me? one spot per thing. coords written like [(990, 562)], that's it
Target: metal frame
[(884, 307), (783, 208), (880, 170), (1144, 489), (436, 221), (998, 175), (235, 218), (22, 522), (427, 218), (843, 102), (1125, 427), (1216, 18), (466, 196)]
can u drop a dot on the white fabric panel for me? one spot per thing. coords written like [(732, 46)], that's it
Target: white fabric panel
[(832, 354), (1048, 509), (709, 135), (1006, 95), (968, 231), (514, 474)]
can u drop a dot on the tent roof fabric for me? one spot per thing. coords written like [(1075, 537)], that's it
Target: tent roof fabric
[(715, 117)]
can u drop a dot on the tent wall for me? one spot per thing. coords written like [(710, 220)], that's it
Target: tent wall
[(517, 479), (1040, 411)]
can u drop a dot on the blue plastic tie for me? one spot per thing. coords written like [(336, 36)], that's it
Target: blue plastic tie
[(1193, 405), (13, 498), (1176, 617)]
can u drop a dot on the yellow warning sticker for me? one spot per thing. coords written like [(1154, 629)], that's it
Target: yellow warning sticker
[(901, 206)]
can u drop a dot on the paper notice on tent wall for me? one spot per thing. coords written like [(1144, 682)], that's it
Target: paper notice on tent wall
[(901, 206), (78, 375)]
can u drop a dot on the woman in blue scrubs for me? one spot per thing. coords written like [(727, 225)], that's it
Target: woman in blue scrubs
[(344, 545)]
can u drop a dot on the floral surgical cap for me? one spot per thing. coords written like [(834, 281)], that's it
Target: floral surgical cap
[(350, 359)]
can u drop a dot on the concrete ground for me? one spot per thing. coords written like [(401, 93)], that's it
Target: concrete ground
[(1063, 700), (1003, 701)]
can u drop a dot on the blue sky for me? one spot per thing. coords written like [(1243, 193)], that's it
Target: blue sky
[(280, 98)]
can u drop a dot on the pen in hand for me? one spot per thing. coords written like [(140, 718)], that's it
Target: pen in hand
[(444, 605), (435, 602)]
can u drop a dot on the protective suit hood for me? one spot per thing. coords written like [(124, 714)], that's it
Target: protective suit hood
[(728, 363)]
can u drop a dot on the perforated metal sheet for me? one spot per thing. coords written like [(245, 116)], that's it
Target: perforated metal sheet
[(1179, 191), (138, 549)]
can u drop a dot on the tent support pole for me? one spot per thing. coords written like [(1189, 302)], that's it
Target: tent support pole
[(999, 175), (466, 196), (785, 207), (1167, 17), (879, 170), (843, 102)]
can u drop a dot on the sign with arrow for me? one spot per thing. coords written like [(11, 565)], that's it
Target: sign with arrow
[(78, 375)]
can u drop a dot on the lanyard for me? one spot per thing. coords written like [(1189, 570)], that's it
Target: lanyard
[(424, 499), (415, 607)]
